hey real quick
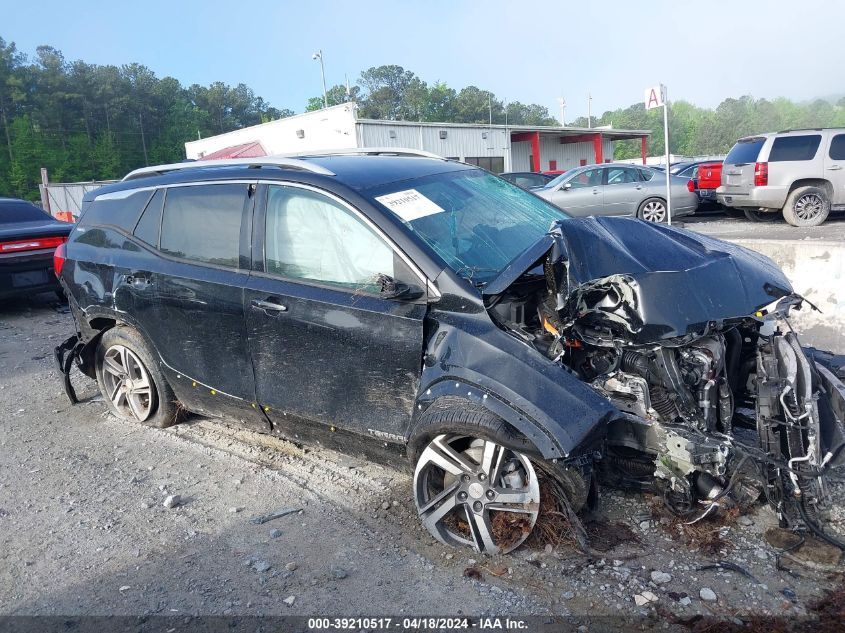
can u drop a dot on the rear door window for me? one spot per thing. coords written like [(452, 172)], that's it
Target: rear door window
[(620, 175), (837, 147), (788, 148), (203, 222), (745, 151), (646, 174)]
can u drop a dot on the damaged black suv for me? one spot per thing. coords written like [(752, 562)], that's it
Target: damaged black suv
[(457, 319)]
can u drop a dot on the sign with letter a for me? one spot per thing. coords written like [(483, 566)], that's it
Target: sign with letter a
[(654, 97)]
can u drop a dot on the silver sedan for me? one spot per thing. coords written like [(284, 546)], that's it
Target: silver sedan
[(619, 189)]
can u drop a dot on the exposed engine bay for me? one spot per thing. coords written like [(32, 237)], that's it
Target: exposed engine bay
[(716, 405)]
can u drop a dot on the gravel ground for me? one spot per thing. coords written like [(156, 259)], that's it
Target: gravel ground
[(722, 227), (84, 529)]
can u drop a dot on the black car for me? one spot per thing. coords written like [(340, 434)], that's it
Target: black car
[(458, 320), (28, 239), (527, 179)]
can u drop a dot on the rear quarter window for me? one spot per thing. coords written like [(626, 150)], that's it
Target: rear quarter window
[(788, 148), (745, 151), (118, 210)]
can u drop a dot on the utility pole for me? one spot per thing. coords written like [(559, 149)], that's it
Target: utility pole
[(589, 110), (319, 55), (562, 102), (143, 140)]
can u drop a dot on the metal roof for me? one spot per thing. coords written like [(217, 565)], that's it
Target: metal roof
[(619, 134)]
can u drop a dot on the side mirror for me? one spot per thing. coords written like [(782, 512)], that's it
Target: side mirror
[(566, 186), (390, 288)]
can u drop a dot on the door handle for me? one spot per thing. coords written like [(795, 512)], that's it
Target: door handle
[(639, 187), (595, 192), (137, 279), (272, 306), (835, 167)]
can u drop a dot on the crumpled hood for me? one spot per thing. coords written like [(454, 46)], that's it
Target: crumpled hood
[(680, 280)]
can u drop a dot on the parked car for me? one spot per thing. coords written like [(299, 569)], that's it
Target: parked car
[(799, 174), (619, 189), (706, 177), (28, 239), (456, 319), (527, 179)]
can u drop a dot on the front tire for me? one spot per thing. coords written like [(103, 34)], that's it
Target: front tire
[(652, 210), (472, 485), (130, 381), (806, 206)]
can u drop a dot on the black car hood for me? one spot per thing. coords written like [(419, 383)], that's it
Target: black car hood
[(678, 280)]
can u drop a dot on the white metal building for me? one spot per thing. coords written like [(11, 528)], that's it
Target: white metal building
[(497, 148)]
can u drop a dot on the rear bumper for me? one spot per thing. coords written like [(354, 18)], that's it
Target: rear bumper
[(769, 197), (23, 274)]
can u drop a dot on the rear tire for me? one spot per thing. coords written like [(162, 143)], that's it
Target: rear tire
[(760, 216), (652, 210), (806, 206), (131, 382)]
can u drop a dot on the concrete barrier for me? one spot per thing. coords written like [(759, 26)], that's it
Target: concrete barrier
[(816, 269)]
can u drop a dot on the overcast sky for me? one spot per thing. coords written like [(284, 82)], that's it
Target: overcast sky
[(526, 51)]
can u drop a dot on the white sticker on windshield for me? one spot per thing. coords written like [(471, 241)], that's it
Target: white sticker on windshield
[(409, 205)]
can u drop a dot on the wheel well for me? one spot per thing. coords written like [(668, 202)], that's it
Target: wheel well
[(102, 324), (508, 434), (814, 182)]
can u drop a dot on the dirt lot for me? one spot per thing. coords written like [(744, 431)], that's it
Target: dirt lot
[(83, 528)]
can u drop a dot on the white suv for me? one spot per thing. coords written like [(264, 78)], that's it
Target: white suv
[(800, 173)]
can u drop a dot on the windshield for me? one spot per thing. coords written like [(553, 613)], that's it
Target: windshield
[(476, 222)]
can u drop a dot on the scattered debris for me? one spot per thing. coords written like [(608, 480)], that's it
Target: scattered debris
[(263, 518), (729, 566), (707, 594), (567, 595), (339, 573), (261, 566), (660, 577), (473, 573), (804, 549), (644, 598), (291, 566), (171, 501), (289, 600), (275, 533), (235, 510), (125, 588)]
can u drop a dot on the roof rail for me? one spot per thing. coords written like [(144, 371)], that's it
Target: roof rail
[(265, 161), (368, 151), (809, 129)]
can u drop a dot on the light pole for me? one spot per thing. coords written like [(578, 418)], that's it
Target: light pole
[(319, 55)]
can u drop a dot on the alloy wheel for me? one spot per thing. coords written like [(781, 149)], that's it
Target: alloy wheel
[(654, 211), (128, 383), (475, 492), (809, 206)]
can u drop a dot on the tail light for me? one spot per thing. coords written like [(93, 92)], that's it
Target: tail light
[(761, 174), (35, 244), (59, 259), (690, 185)]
